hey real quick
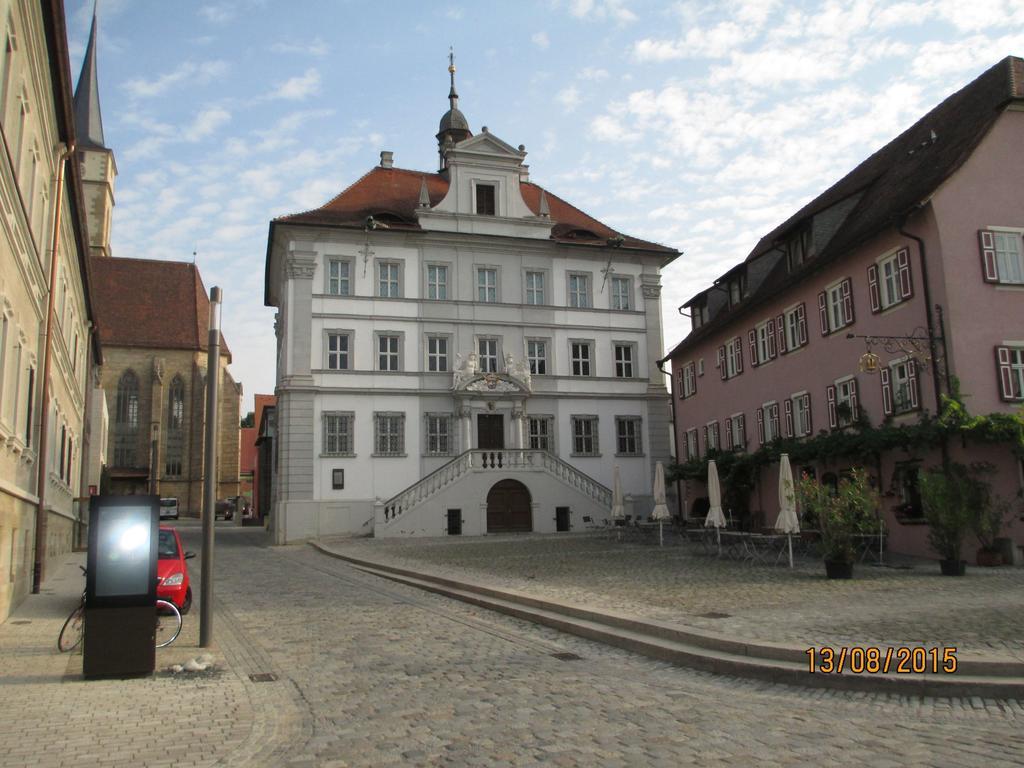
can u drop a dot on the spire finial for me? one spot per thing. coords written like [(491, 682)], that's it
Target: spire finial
[(453, 96)]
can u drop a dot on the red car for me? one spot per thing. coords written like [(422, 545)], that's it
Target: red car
[(172, 573)]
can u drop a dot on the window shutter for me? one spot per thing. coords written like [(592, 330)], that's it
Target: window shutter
[(823, 313), (807, 408), (801, 321), (988, 256), (760, 425), (847, 290), (789, 418), (728, 433), (1005, 373), (680, 387), (718, 435), (876, 300), (705, 430), (906, 284), (780, 333), (722, 368), (742, 430), (830, 397), (775, 420), (773, 350), (912, 381), (738, 352), (883, 375), (752, 340), (853, 399)]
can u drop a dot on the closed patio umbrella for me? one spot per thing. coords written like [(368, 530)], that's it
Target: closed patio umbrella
[(715, 517), (618, 506), (660, 512), (787, 522)]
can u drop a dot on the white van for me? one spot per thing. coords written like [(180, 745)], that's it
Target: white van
[(169, 509)]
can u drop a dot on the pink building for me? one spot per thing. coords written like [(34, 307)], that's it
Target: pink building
[(933, 219)]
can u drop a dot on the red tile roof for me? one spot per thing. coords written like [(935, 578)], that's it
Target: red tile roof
[(150, 303), (391, 195)]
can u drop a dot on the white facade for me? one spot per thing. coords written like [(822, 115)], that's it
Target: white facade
[(404, 361)]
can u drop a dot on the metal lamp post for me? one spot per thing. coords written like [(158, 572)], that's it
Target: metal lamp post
[(210, 476)]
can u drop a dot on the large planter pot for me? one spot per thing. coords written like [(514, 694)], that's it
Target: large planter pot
[(989, 558), (838, 569), (953, 567)]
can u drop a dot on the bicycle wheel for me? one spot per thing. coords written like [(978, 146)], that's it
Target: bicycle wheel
[(71, 633), (168, 623)]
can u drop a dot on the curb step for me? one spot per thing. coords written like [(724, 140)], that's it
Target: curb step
[(709, 653)]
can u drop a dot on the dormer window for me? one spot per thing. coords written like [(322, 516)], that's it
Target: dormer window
[(699, 314), (485, 200), (798, 248), (736, 290)]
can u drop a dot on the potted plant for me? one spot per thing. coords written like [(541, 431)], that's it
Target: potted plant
[(841, 515), (951, 497)]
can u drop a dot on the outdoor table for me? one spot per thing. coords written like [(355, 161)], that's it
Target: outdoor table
[(703, 536), (733, 544), (867, 546)]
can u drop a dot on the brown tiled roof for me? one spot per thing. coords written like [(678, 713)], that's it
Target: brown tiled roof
[(391, 195), (890, 183), (150, 303)]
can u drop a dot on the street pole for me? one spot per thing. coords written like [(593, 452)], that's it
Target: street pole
[(210, 476)]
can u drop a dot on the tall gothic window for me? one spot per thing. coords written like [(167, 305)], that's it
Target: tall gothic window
[(175, 428), (126, 420)]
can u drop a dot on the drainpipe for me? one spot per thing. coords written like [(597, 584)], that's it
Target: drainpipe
[(930, 324), (63, 152), (675, 435), (83, 480)]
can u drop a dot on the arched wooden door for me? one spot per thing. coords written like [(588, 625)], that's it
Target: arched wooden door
[(508, 508)]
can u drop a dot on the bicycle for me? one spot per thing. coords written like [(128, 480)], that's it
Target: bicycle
[(168, 625)]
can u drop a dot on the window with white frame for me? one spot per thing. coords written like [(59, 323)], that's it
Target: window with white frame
[(1004, 256), (338, 437), (439, 429), (711, 435), (584, 436), (796, 327), (1010, 365), (540, 432), (535, 288), (801, 405), (437, 354), (621, 290), (628, 436), (389, 434), (580, 358), (771, 421), (339, 349), (488, 354), (733, 358), (389, 348), (339, 277), (889, 282), (624, 354), (692, 449), (903, 378), (389, 284), (842, 402), (835, 306), (737, 430), (689, 380), (537, 356), (764, 343), (579, 290), (487, 284), (437, 281)]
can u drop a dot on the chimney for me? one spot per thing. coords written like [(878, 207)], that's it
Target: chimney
[(387, 159)]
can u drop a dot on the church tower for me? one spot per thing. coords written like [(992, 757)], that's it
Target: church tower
[(454, 126), (95, 159)]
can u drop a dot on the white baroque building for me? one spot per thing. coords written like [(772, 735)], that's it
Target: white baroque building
[(462, 352)]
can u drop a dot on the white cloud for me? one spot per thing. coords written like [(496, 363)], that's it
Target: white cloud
[(596, 74), (540, 39), (600, 10), (316, 47), (189, 71), (298, 88), (207, 122), (454, 13), (569, 98), (218, 13)]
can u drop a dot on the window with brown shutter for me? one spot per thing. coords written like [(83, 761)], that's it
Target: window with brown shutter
[(830, 398), (723, 372), (1010, 369), (780, 334), (847, 288), (801, 319), (987, 241), (728, 433), (883, 376), (788, 405), (823, 313), (759, 414), (876, 301), (752, 340), (906, 283)]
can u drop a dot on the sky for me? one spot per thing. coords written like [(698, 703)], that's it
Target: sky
[(698, 125)]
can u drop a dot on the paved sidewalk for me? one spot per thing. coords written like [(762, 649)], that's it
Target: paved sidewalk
[(361, 671), (982, 613)]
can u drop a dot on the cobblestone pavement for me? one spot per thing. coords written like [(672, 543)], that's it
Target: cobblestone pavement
[(980, 613), (372, 673)]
